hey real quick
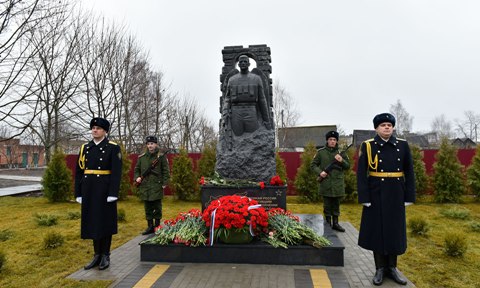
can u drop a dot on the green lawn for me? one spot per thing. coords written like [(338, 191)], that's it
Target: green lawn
[(28, 264)]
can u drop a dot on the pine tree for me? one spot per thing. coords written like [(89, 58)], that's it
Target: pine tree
[(126, 182), (183, 180), (473, 174), (57, 180), (206, 164), (306, 181), (281, 168), (350, 179), (421, 177), (447, 178)]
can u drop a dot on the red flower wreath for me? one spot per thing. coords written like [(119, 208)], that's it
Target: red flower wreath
[(235, 211)]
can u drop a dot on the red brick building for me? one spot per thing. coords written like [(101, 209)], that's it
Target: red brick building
[(15, 155)]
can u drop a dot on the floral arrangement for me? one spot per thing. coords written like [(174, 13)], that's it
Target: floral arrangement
[(234, 212), (217, 180), (276, 181), (187, 228), (285, 229)]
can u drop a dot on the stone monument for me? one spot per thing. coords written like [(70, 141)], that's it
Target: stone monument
[(246, 146)]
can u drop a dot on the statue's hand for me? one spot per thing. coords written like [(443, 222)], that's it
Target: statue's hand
[(267, 125)]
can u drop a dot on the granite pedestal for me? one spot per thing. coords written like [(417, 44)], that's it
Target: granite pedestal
[(256, 252)]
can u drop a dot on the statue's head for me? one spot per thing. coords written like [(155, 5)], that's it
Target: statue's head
[(243, 62)]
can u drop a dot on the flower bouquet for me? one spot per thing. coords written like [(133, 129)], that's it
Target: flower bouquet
[(217, 180), (187, 228), (284, 229), (231, 216)]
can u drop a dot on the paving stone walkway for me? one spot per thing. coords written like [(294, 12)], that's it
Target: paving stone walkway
[(127, 270)]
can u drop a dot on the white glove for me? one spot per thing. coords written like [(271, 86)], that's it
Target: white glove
[(79, 200), (367, 204), (408, 203), (111, 199)]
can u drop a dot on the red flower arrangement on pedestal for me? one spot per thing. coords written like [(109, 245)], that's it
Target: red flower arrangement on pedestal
[(234, 214), (276, 181)]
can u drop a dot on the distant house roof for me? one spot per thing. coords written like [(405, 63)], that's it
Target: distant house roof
[(464, 143), (419, 140), (361, 135), (412, 138), (298, 137)]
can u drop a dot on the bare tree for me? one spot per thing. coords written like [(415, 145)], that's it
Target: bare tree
[(442, 127), (57, 45), (18, 20), (284, 106), (403, 119), (469, 125)]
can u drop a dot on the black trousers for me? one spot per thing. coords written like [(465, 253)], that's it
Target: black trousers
[(382, 260), (102, 246)]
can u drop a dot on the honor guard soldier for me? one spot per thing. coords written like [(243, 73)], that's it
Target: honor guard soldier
[(386, 184), (329, 165), (97, 183), (151, 175)]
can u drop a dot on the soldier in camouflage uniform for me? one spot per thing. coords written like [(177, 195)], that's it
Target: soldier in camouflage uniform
[(151, 187), (332, 186)]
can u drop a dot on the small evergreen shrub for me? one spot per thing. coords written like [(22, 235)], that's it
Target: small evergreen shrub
[(456, 213), (73, 215), (281, 168), (183, 180), (3, 259), (306, 182), (121, 216), (448, 179), (5, 235), (473, 174), (57, 180), (45, 219), (455, 244), (125, 182), (418, 226), (206, 164), (474, 226), (53, 240), (420, 172), (351, 194)]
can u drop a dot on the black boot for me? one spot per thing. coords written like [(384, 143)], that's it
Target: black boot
[(378, 278), (392, 271), (395, 276), (380, 264), (157, 223), (104, 263), (95, 261), (328, 220), (150, 229), (336, 226)]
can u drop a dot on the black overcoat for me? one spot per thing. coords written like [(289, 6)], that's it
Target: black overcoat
[(383, 224), (99, 217)]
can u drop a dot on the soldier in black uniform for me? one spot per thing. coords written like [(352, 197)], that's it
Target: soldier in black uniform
[(97, 182), (386, 184)]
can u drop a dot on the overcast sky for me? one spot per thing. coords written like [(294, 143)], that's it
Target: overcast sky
[(341, 61)]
